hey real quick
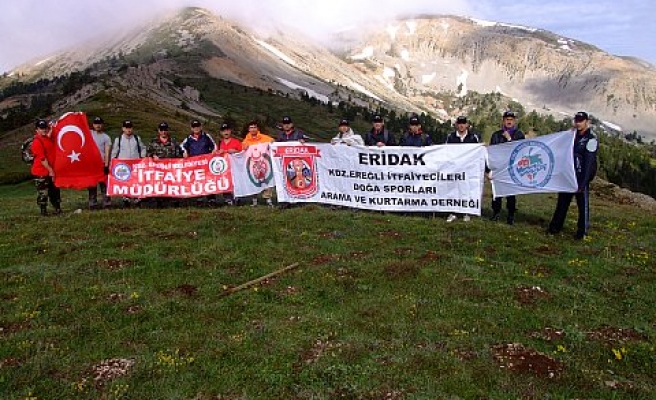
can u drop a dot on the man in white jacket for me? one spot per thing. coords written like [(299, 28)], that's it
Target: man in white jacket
[(346, 135)]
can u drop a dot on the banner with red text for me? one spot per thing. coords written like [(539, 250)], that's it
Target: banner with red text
[(172, 177), (444, 178)]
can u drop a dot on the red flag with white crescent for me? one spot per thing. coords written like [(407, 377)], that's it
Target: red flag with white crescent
[(78, 163)]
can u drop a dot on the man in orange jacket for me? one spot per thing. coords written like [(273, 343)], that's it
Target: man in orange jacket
[(254, 137)]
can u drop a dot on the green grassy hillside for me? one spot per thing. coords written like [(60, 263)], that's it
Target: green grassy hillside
[(127, 304)]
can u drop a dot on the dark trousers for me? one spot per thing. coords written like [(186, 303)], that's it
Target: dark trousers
[(583, 204), (511, 205)]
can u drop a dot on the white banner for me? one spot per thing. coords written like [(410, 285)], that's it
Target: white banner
[(251, 170), (445, 178), (538, 165)]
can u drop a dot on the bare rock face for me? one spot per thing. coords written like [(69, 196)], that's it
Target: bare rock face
[(405, 64), (541, 70)]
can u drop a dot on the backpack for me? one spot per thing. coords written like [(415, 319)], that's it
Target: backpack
[(137, 138), (26, 151)]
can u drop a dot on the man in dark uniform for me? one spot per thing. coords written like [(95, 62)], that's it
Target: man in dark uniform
[(415, 136), (289, 133), (585, 165), (462, 134), (378, 135), (508, 133)]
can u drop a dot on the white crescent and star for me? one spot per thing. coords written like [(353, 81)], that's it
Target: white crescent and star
[(71, 128)]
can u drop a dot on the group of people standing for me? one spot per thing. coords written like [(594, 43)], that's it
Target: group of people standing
[(198, 142)]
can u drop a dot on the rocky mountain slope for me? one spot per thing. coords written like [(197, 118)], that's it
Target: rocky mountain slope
[(407, 64)]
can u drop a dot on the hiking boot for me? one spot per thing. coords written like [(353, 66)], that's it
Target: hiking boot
[(451, 218), (579, 236), (58, 211), (269, 203), (510, 219), (466, 218), (495, 216), (254, 203), (44, 211)]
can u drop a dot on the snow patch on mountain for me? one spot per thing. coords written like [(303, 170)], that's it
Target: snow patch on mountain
[(389, 72), (488, 24), (362, 90), (405, 55), (275, 51), (365, 53), (612, 126), (310, 92), (391, 30), (426, 79), (412, 27)]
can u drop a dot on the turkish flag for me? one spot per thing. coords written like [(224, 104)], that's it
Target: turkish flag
[(78, 163)]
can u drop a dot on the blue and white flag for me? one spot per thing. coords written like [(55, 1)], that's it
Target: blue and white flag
[(538, 165), (251, 170)]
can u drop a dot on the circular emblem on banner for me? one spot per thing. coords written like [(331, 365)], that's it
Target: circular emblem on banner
[(259, 169), (122, 172), (531, 164), (218, 165)]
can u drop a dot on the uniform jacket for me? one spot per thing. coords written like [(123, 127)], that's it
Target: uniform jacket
[(470, 137), (384, 136), (497, 137), (418, 140), (293, 136), (204, 144), (585, 157)]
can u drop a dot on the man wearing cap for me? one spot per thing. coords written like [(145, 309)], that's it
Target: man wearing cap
[(345, 135), (585, 165), (163, 146), (198, 142), (288, 133), (255, 137), (104, 143), (43, 148), (128, 146), (228, 145), (415, 136), (461, 134), (507, 133), (378, 135)]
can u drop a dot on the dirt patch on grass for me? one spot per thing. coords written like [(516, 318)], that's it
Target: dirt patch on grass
[(185, 290), (10, 362), (13, 327), (403, 251), (114, 264), (133, 309), (548, 334), (322, 259), (464, 354), (108, 370), (539, 271), (529, 295), (311, 355), (399, 270), (610, 335), (112, 229), (431, 255), (517, 358), (116, 297), (390, 234), (547, 250), (356, 255)]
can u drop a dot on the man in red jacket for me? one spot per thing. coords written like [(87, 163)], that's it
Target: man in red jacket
[(43, 148)]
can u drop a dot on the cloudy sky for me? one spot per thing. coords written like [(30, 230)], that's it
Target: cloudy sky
[(30, 29)]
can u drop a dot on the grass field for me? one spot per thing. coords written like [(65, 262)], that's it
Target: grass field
[(128, 304)]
